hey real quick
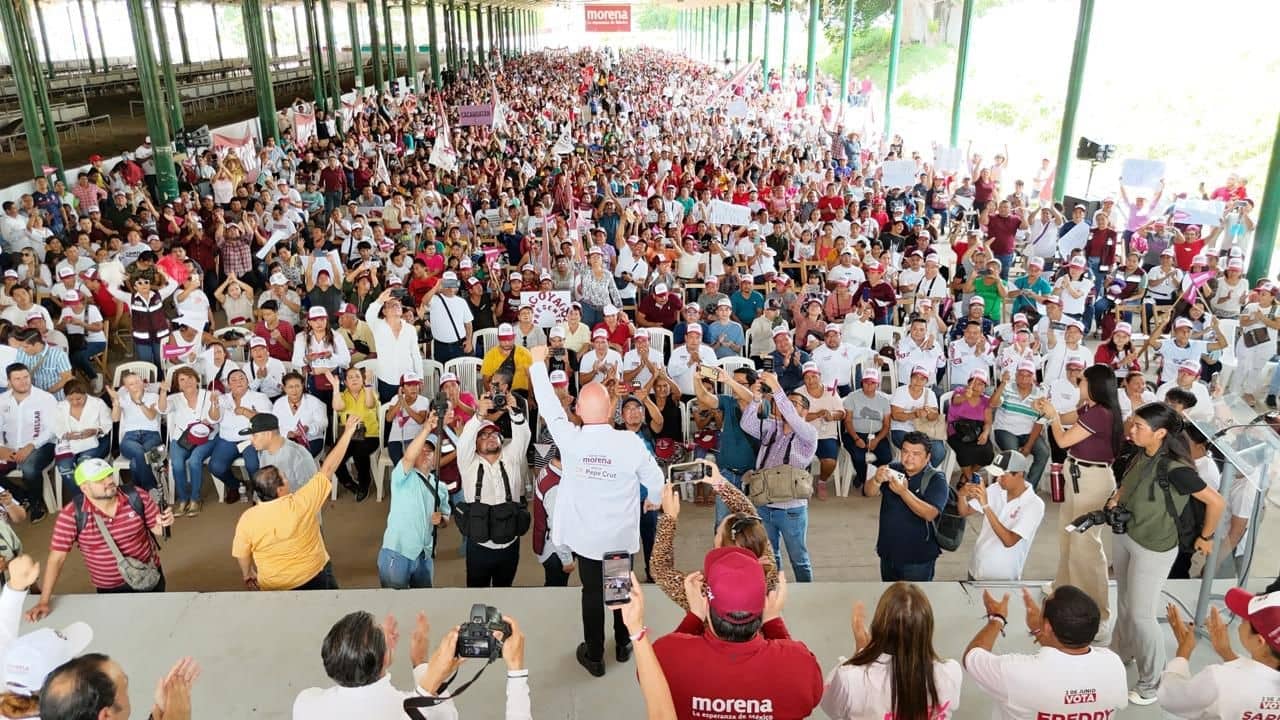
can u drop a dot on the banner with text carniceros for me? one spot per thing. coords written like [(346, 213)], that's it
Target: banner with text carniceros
[(608, 18)]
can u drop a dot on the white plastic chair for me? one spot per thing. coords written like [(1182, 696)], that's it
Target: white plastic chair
[(1228, 358), (483, 340), (168, 373), (468, 371), (949, 464), (370, 369), (666, 341), (431, 372), (734, 363), (382, 459), (886, 335), (139, 367), (52, 485)]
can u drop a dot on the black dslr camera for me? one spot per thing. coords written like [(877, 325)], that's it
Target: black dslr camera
[(439, 406), (1117, 517), (475, 637), (499, 400)]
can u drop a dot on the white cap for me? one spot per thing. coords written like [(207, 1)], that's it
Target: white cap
[(279, 279), (660, 289), (559, 378), (610, 310), (447, 378), (33, 656), (1182, 323), (556, 332), (317, 312)]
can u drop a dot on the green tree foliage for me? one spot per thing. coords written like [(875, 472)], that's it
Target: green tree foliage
[(657, 17)]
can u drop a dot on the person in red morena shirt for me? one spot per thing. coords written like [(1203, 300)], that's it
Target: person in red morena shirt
[(1186, 247), (1003, 228), (831, 205), (731, 658)]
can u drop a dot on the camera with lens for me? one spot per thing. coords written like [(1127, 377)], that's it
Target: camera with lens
[(558, 360), (1117, 517), (439, 406), (499, 400), (475, 636), (401, 294)]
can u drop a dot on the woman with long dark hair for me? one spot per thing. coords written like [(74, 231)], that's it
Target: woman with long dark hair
[(1092, 444), (1156, 487), (895, 671)]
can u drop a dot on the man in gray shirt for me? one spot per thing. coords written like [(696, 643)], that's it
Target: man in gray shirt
[(866, 426), (293, 461)]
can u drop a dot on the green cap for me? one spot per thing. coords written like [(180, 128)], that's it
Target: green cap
[(93, 470)]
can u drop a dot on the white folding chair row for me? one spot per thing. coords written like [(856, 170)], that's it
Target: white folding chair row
[(431, 372), (468, 371), (52, 485), (142, 368), (886, 335), (483, 340), (666, 341), (381, 461)]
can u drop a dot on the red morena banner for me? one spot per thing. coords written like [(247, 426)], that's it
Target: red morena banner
[(608, 18)]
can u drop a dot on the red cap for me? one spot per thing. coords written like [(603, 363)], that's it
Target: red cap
[(1262, 612), (735, 584)]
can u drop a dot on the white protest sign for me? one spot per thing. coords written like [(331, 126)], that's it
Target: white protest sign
[(723, 213), (1142, 173), (584, 219), (737, 108), (271, 242), (443, 156), (947, 160), (898, 174), (490, 215), (1198, 212), (963, 201), (651, 131), (563, 146), (550, 308)]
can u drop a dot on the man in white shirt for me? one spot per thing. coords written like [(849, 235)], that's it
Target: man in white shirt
[(1011, 514), (492, 479), (641, 361), (598, 501), (1068, 678), (1188, 379), (601, 362), (846, 271), (685, 359), (26, 427), (918, 348), (969, 354), (835, 359), (451, 320), (1069, 348)]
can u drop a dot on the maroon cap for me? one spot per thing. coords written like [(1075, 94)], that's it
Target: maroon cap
[(735, 584)]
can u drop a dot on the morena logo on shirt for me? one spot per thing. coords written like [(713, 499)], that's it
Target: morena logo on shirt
[(733, 708)]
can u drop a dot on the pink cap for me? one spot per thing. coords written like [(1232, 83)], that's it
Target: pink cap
[(920, 370), (980, 375), (1123, 327), (506, 332), (447, 378), (600, 334), (1182, 323)]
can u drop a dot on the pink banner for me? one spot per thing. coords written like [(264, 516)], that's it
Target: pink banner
[(469, 115), (608, 18)]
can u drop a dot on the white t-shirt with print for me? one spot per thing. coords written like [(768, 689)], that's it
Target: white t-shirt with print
[(902, 399), (991, 560), (1050, 683)]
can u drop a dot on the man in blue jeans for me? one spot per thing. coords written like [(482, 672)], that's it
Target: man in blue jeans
[(915, 494), (735, 454), (777, 421)]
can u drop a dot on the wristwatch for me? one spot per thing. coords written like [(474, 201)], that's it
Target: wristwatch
[(1207, 539)]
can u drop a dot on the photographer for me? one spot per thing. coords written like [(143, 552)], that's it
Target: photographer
[(918, 492), (1067, 678), (1156, 488), (358, 654), (492, 482)]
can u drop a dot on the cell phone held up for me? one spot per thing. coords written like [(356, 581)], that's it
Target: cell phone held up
[(709, 372), (617, 578), (690, 472)]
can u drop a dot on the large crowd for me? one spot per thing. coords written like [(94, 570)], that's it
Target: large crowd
[(719, 288)]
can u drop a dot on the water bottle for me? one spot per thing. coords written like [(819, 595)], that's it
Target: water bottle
[(1057, 484)]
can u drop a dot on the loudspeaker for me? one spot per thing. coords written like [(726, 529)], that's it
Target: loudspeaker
[(1090, 207), (1094, 151)]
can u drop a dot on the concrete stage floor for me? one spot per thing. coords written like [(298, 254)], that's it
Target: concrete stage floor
[(258, 650)]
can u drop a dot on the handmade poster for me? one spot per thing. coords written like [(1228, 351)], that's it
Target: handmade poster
[(1198, 212), (898, 174), (947, 160), (723, 213), (471, 115), (1142, 173), (550, 308)]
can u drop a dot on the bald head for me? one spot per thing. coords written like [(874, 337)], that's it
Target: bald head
[(594, 406)]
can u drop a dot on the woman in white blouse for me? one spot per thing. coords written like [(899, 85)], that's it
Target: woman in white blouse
[(895, 670), (193, 413), (911, 402), (214, 365), (83, 428), (137, 409), (303, 418), (317, 347)]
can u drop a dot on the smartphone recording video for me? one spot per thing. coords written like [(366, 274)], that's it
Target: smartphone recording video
[(617, 578), (687, 473)]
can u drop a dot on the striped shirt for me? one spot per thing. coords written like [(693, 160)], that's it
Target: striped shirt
[(52, 362), (1016, 414), (127, 529)]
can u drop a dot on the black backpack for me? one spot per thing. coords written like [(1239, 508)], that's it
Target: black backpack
[(949, 526), (130, 495), (1191, 520)]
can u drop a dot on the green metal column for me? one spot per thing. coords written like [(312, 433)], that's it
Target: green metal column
[(84, 28), (314, 54), (480, 57), (375, 47), (44, 37), (962, 63), (810, 63), (52, 144), (469, 57), (271, 31), (102, 46), (895, 42), (217, 29), (353, 21), (172, 97), (737, 34), (715, 31), (432, 38), (389, 41), (1075, 82), (153, 105), (1264, 242), (23, 69), (786, 38), (335, 72), (724, 55), (182, 32), (411, 48), (846, 54), (709, 28), (495, 42), (255, 43), (764, 50), (751, 29)]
